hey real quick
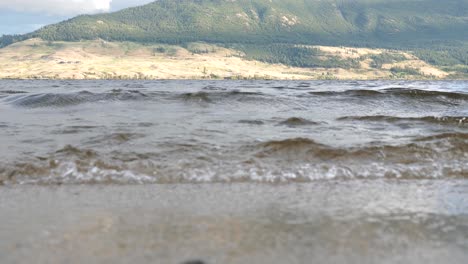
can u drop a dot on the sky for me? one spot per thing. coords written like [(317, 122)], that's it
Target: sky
[(23, 16)]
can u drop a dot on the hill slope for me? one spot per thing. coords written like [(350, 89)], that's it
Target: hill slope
[(97, 59), (383, 23), (269, 31)]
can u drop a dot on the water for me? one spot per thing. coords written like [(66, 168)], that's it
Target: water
[(68, 132), (234, 171)]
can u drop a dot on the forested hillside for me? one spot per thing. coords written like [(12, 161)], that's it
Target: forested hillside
[(333, 22), (436, 30)]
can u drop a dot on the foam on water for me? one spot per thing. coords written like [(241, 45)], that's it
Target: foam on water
[(292, 160), (98, 132)]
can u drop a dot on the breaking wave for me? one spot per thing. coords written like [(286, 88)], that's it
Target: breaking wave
[(442, 156), (239, 131)]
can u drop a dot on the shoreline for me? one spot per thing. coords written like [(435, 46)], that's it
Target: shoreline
[(330, 221), (230, 79), (100, 60)]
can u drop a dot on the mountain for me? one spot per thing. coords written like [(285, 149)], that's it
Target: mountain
[(286, 31), (383, 23)]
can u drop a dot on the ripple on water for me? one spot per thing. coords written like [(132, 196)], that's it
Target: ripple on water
[(205, 132), (442, 120), (51, 100), (291, 160), (297, 121)]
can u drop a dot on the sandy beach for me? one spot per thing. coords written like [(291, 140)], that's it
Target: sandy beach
[(323, 222)]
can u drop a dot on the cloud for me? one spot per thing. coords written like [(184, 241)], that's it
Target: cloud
[(57, 7), (119, 4)]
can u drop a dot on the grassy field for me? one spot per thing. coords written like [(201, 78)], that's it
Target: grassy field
[(98, 59)]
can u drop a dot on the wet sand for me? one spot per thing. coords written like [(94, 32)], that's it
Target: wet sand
[(357, 221)]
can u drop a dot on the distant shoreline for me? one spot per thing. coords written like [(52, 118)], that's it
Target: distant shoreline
[(100, 60), (226, 79)]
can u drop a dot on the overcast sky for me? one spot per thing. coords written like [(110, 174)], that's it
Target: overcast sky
[(23, 16)]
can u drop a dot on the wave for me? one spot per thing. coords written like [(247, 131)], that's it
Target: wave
[(197, 97), (297, 121), (66, 99), (252, 122), (134, 85), (115, 138), (457, 137), (440, 156), (74, 129), (400, 92), (425, 93), (216, 95), (12, 92), (208, 95), (357, 92), (443, 120), (214, 88), (446, 145), (104, 172), (70, 99), (304, 85), (289, 145)]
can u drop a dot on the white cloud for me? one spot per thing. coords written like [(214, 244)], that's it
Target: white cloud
[(57, 7), (119, 4)]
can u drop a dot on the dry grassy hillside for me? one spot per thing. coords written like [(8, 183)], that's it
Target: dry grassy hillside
[(35, 58)]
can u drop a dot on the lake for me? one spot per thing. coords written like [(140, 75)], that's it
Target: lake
[(234, 171)]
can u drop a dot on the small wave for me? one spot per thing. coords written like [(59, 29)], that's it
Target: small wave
[(296, 149), (296, 121), (134, 85), (12, 92), (213, 88), (70, 99), (447, 145), (303, 85), (48, 100), (102, 171), (459, 137), (197, 97), (74, 129), (252, 122), (71, 172), (115, 138), (146, 124), (348, 93), (425, 93), (443, 120), (441, 156), (401, 92), (70, 150), (219, 96)]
